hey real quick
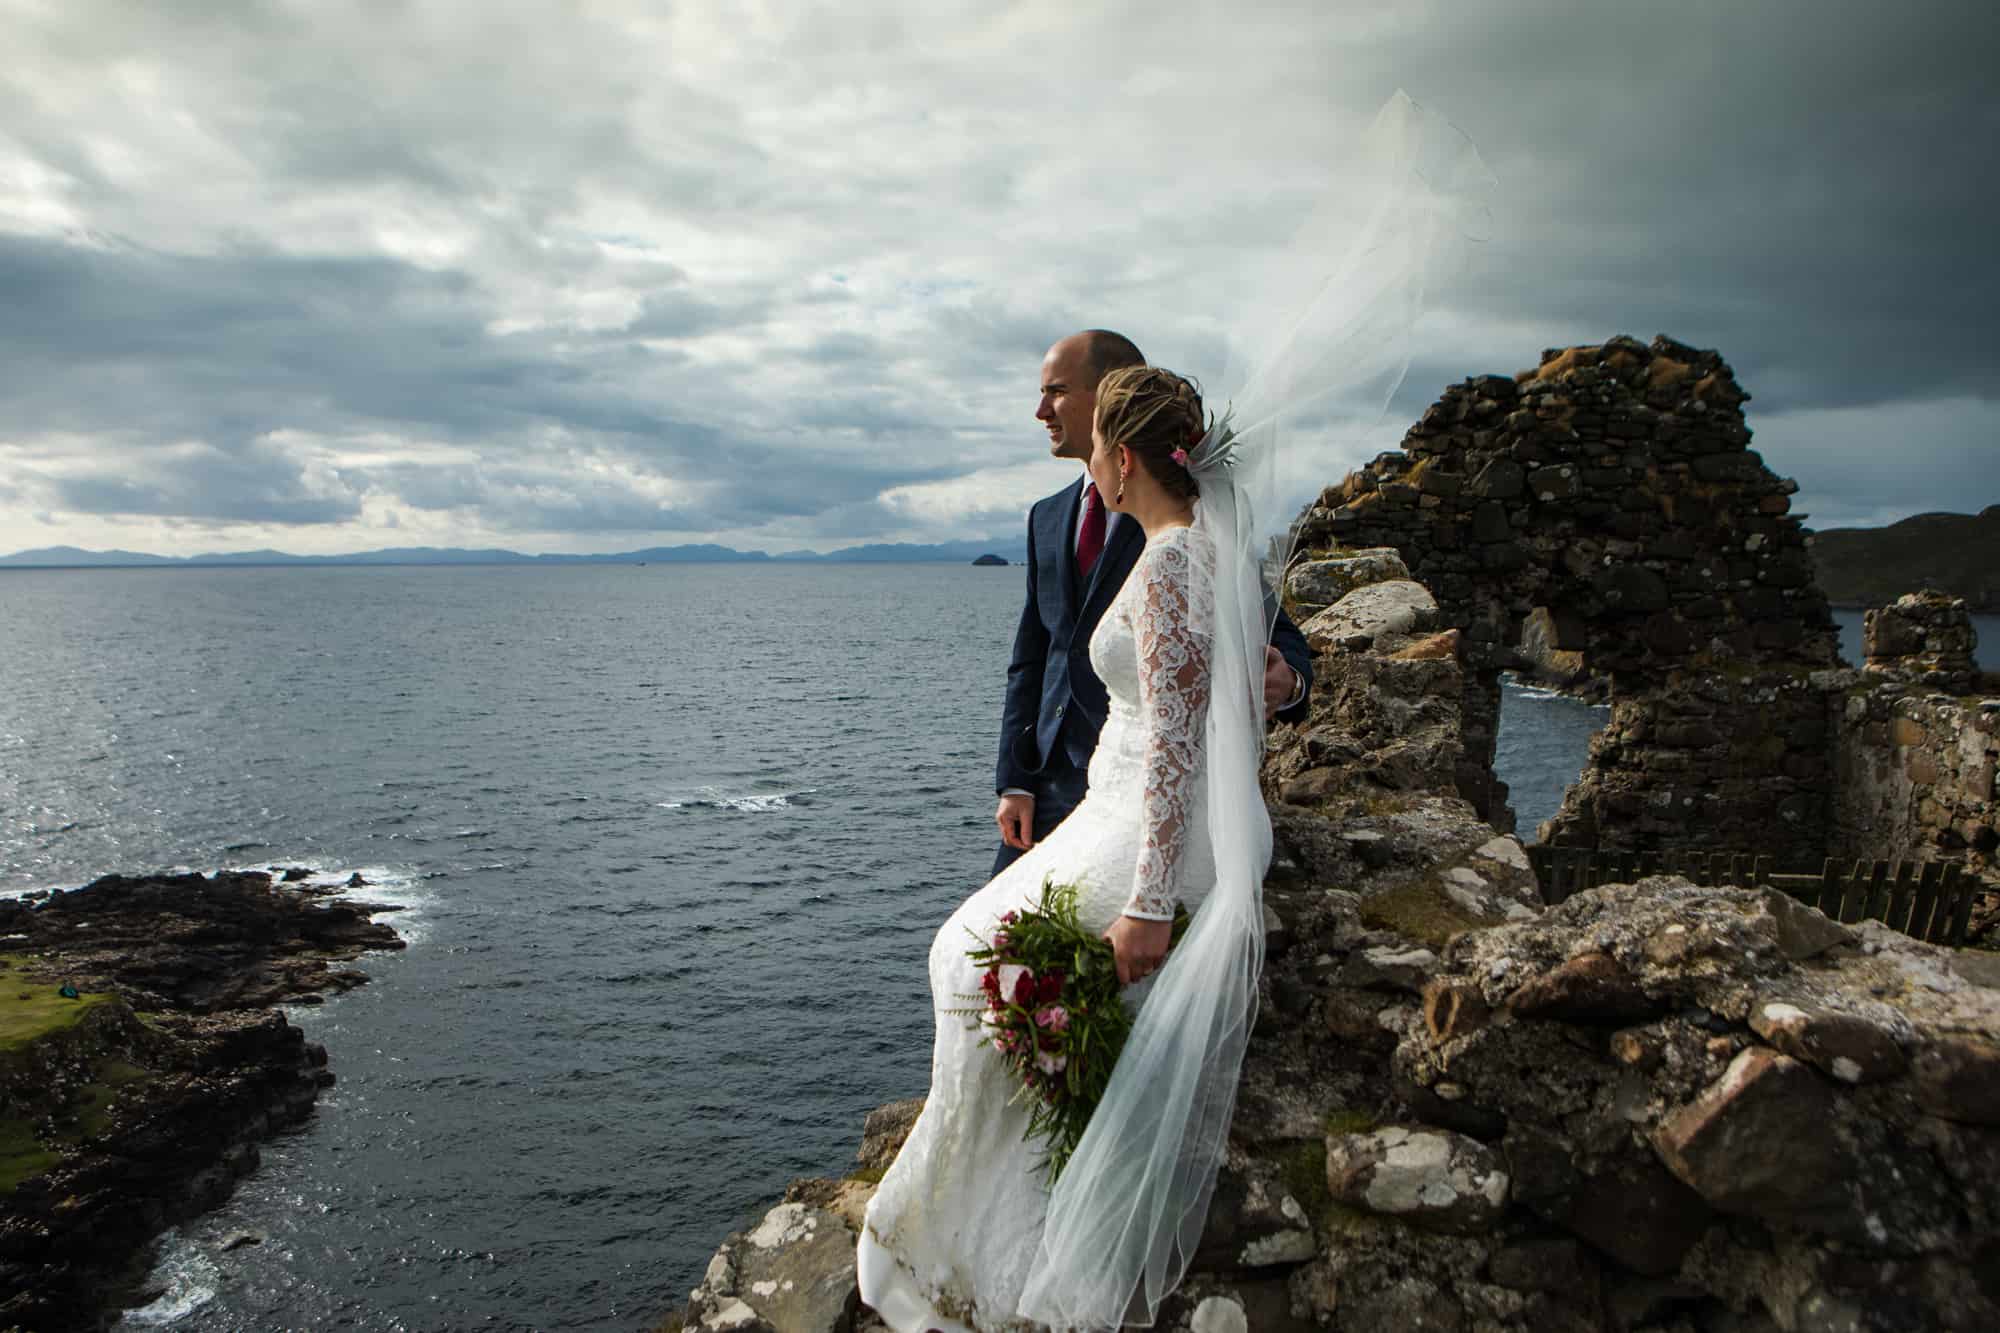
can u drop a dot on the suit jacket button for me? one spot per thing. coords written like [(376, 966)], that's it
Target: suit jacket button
[(1059, 709)]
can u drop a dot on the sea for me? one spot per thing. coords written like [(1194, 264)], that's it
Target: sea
[(668, 844)]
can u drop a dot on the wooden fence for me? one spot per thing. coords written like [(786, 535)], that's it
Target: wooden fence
[(1930, 900)]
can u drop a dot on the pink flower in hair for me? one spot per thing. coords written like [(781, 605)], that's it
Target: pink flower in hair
[(1180, 456)]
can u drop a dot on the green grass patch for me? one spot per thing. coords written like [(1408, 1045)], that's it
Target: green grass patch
[(867, 1175), (1302, 1168), (22, 1155), (1417, 911), (32, 1009)]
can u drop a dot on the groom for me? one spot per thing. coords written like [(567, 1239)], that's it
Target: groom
[(1078, 555)]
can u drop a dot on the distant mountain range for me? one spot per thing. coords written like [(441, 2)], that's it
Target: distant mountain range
[(1955, 553), (1958, 553), (71, 557)]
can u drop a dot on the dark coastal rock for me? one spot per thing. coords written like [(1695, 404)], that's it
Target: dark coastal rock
[(199, 943), (153, 1122), (119, 1126)]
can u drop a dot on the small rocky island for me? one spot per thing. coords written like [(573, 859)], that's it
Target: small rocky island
[(990, 560), (141, 1061)]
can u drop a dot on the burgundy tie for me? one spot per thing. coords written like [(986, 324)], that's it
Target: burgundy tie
[(1090, 534)]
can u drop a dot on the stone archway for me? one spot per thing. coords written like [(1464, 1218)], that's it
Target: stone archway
[(1613, 488)]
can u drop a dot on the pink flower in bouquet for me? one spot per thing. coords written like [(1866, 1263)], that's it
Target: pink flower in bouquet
[(1051, 1062), (1052, 1018), (1009, 918), (1000, 941)]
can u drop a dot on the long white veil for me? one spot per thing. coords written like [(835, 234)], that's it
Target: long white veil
[(1127, 1213)]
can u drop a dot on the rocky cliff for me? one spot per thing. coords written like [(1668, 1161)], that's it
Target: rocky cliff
[(1658, 1107), (141, 1063)]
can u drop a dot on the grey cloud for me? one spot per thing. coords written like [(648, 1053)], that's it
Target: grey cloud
[(227, 347), (1793, 187), (259, 483), (788, 268)]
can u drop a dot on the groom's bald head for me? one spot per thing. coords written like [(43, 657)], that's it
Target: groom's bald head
[(1070, 373), (1107, 351)]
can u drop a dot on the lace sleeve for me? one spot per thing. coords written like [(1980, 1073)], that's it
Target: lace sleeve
[(1173, 626)]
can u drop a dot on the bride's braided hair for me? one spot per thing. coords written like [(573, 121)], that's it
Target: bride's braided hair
[(1154, 413)]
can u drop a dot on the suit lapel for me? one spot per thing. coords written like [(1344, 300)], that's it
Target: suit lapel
[(1063, 536)]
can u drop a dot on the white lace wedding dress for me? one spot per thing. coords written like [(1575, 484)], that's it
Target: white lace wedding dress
[(954, 1227)]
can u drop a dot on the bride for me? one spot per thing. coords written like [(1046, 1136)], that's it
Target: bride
[(956, 1233), (964, 1234)]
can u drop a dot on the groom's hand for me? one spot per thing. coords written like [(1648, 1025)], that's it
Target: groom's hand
[(1281, 683), (1016, 818)]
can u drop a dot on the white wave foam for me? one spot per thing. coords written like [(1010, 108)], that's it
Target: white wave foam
[(714, 798), (1522, 690), (11, 894), (393, 886), (190, 1280)]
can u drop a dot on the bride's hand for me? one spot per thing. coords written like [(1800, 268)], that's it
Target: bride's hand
[(1139, 946)]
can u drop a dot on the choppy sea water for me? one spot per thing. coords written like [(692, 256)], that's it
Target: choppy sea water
[(672, 842)]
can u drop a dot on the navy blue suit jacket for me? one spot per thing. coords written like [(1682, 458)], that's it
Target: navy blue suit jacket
[(1055, 703)]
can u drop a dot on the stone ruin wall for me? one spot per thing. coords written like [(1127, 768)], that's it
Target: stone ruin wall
[(1610, 494), (1919, 748)]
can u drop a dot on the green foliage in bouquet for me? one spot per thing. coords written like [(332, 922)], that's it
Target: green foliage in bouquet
[(1052, 1010)]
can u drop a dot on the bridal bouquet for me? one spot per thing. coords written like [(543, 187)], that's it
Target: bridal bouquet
[(1051, 1009)]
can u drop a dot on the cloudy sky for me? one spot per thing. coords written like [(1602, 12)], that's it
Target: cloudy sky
[(595, 275)]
